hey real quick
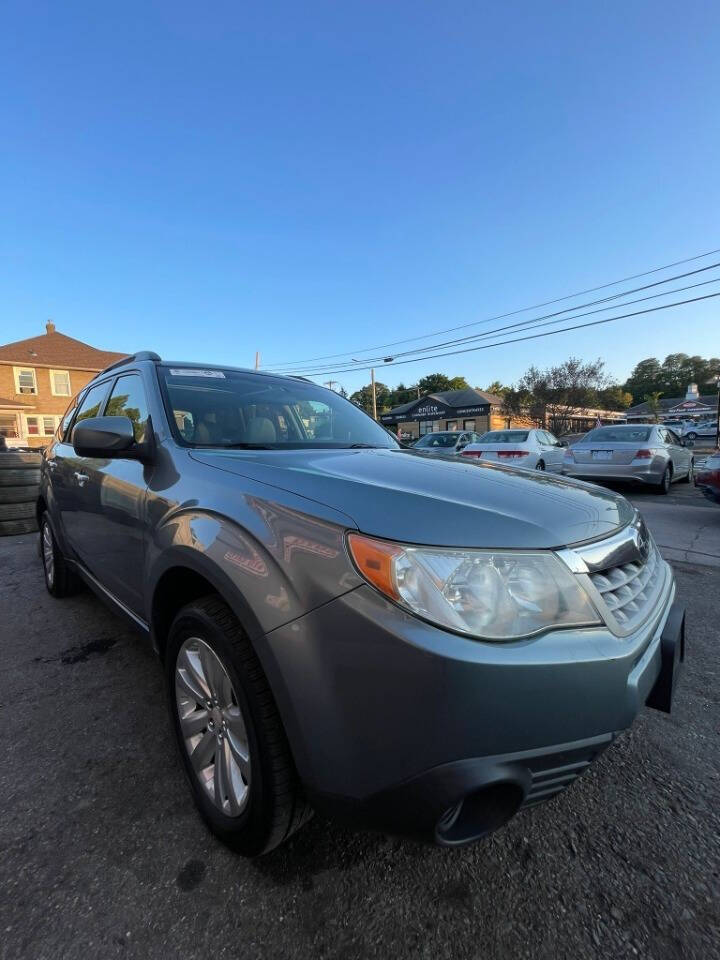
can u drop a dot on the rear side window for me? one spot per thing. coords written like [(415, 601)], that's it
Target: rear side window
[(128, 400), (92, 402)]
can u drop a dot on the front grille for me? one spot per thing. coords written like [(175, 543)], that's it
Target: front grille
[(630, 590)]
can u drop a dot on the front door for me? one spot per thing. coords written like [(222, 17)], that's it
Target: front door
[(679, 454), (112, 543)]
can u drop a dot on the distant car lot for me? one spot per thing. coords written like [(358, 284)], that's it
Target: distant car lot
[(102, 856)]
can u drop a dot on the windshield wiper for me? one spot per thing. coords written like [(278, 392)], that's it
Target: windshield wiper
[(364, 446), (245, 446)]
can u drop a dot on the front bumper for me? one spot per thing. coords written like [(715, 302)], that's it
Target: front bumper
[(649, 474), (399, 725)]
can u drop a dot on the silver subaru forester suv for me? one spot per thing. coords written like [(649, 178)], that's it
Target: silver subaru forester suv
[(423, 645)]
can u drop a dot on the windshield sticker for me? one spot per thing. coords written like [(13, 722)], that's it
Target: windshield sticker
[(189, 372)]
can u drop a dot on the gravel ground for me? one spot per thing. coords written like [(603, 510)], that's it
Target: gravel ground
[(102, 855)]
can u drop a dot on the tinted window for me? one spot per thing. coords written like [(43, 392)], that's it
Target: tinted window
[(65, 422), (227, 408), (505, 436), (92, 402), (128, 400), (618, 435), (672, 437)]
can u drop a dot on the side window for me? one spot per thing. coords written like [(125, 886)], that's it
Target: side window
[(128, 400), (92, 402), (550, 438), (672, 437), (65, 422)]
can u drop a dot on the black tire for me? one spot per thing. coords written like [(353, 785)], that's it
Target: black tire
[(18, 476), (540, 465), (17, 511), (62, 582), (690, 475), (691, 436), (27, 494), (663, 487), (11, 528), (276, 807)]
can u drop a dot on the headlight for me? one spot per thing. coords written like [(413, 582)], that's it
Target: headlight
[(489, 594)]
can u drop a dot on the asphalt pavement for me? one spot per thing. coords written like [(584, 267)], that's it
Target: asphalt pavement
[(102, 855)]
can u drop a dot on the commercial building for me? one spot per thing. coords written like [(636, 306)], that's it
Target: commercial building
[(690, 407), (38, 376), (446, 410)]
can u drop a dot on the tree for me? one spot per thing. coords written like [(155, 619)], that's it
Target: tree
[(614, 398), (560, 392), (497, 388), (672, 377), (653, 402), (645, 377), (459, 383), (433, 383), (364, 398)]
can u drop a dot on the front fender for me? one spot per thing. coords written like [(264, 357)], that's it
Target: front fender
[(291, 563)]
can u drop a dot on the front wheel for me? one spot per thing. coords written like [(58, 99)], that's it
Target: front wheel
[(232, 743), (664, 486), (540, 465), (691, 436)]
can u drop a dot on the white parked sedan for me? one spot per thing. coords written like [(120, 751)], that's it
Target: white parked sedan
[(532, 449)]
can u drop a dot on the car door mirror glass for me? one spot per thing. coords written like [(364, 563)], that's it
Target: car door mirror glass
[(104, 437)]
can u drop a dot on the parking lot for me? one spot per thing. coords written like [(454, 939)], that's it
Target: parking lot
[(102, 854)]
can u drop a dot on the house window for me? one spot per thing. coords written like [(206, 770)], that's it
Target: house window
[(8, 426), (60, 383), (48, 426), (426, 426), (33, 426), (25, 380), (469, 425)]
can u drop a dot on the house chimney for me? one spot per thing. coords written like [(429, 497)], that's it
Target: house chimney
[(692, 392), (50, 326)]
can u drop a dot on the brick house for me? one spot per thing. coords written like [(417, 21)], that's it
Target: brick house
[(38, 377)]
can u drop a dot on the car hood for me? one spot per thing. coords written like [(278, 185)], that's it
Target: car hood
[(406, 496)]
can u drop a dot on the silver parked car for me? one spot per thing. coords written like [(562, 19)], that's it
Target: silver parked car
[(532, 449), (445, 442), (646, 453), (422, 644)]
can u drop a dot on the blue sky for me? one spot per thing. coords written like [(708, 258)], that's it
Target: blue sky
[(303, 179)]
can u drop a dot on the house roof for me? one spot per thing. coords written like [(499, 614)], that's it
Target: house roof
[(14, 404), (667, 403), (452, 398), (53, 349)]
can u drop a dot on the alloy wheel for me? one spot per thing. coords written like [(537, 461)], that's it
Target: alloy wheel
[(212, 726), (539, 465), (48, 552)]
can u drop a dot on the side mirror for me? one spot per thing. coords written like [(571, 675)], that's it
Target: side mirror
[(561, 443), (104, 437)]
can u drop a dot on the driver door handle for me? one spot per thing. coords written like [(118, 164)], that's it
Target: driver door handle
[(81, 478)]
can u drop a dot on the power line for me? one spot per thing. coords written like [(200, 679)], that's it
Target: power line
[(535, 321), (534, 336), (502, 316)]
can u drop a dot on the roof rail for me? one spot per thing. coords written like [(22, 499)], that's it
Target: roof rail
[(142, 355)]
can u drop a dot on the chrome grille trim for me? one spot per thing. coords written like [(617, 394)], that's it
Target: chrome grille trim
[(625, 578)]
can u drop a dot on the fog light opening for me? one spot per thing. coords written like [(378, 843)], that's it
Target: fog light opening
[(478, 814)]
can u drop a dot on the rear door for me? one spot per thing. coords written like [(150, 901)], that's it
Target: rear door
[(679, 454), (552, 453)]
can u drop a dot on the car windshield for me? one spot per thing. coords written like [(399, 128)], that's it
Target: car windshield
[(618, 435), (234, 408), (504, 436), (438, 440)]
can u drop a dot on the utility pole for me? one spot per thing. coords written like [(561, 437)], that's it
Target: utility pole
[(717, 425), (329, 383), (257, 359), (372, 380)]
